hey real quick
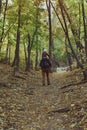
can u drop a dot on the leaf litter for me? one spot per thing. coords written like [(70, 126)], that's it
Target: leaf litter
[(27, 105)]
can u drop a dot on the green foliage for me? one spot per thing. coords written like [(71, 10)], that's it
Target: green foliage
[(59, 50), (29, 22)]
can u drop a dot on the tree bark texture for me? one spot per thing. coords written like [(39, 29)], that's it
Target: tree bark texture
[(4, 18), (16, 58)]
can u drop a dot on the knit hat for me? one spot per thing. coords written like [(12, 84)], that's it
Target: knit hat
[(44, 50)]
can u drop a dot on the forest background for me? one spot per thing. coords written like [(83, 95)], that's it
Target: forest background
[(28, 26)]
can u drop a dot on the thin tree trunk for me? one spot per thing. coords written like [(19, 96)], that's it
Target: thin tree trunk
[(9, 55), (50, 28), (36, 60), (29, 53), (79, 35), (75, 34), (36, 29), (58, 17), (67, 36), (68, 56), (85, 33), (31, 42), (65, 29), (0, 6), (74, 30), (2, 34), (79, 19), (25, 52), (73, 52), (16, 58), (79, 45), (7, 50)]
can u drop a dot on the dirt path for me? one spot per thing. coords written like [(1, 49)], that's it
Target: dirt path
[(27, 105)]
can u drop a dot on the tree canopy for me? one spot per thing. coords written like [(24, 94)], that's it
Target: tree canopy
[(26, 27)]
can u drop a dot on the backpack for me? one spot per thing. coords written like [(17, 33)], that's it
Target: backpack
[(45, 63)]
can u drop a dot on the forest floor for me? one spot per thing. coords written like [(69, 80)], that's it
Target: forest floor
[(27, 105)]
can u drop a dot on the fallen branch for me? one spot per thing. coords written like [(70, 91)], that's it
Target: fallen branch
[(63, 110), (21, 77), (78, 83)]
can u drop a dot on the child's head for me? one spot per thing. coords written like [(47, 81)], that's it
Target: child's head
[(44, 50)]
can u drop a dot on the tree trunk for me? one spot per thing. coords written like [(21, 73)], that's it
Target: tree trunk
[(7, 51), (74, 30), (50, 28), (67, 36), (79, 45), (25, 52), (73, 52), (30, 44), (58, 17), (85, 33), (76, 33), (0, 6), (85, 74), (16, 58), (29, 53), (9, 54), (2, 33), (31, 41), (68, 56), (79, 20), (36, 61)]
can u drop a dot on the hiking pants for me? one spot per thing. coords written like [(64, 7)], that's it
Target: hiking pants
[(45, 75)]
